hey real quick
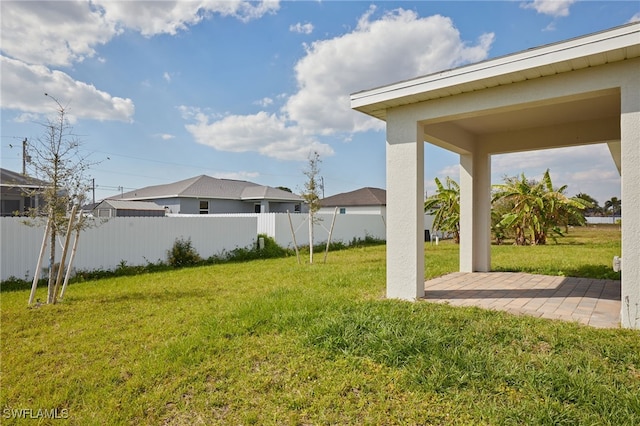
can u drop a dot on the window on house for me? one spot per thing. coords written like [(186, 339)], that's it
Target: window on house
[(256, 208), (297, 208), (343, 210), (204, 207)]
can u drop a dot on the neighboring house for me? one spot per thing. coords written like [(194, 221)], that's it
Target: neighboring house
[(361, 201), (118, 208), (207, 195), (369, 201), (18, 193)]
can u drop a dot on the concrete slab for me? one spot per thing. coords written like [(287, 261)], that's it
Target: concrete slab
[(591, 302)]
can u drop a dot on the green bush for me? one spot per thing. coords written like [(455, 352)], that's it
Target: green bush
[(183, 254), (270, 250)]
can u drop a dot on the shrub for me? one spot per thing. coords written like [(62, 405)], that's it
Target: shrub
[(183, 254), (270, 250)]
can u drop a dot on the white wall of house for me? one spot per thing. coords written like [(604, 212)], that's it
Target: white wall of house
[(377, 210), (173, 204), (218, 206)]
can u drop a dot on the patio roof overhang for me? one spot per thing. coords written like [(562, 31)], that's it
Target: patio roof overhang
[(593, 114), (583, 52)]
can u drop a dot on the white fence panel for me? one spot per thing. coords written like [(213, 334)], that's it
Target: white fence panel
[(134, 240), (139, 240), (265, 221), (19, 247), (346, 228), (597, 220)]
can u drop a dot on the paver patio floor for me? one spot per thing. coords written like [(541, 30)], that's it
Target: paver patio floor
[(588, 301)]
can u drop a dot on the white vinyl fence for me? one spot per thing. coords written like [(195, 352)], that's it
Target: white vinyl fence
[(134, 240), (346, 227), (139, 240)]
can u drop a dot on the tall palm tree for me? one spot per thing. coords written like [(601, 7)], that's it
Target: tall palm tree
[(614, 205), (445, 206)]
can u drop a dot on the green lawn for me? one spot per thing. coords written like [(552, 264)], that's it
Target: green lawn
[(274, 342)]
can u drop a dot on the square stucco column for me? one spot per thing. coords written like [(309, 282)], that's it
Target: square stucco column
[(630, 150), (475, 212), (405, 208)]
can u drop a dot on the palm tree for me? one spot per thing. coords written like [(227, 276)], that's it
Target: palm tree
[(445, 206), (615, 206), (538, 208), (592, 207)]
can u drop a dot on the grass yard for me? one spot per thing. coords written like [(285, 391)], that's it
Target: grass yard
[(274, 342)]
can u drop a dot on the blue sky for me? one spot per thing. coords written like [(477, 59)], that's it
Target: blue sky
[(163, 91)]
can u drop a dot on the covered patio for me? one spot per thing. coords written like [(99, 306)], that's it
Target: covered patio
[(577, 92)]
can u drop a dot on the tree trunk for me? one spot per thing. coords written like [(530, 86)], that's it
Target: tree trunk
[(310, 236)]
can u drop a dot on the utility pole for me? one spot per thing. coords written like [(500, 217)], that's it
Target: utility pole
[(93, 185), (24, 157)]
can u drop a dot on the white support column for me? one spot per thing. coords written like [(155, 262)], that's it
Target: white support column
[(630, 150), (475, 212), (405, 208)]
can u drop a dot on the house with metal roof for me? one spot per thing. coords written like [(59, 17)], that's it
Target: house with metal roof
[(361, 201), (19, 193), (208, 195), (580, 91)]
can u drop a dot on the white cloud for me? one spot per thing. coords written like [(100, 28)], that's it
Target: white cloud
[(375, 53), (264, 133), (167, 77), (38, 36), (398, 46), (169, 17), (56, 33), (634, 18), (301, 28), (165, 136), (24, 86), (236, 175), (28, 117), (555, 8), (452, 171), (264, 102), (591, 170), (63, 32)]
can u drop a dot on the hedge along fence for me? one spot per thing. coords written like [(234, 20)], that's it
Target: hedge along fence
[(140, 240)]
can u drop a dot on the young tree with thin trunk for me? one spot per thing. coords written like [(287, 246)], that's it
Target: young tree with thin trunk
[(311, 195), (57, 160)]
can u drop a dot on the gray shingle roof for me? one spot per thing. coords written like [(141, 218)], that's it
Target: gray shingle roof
[(17, 180), (360, 197), (204, 186)]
